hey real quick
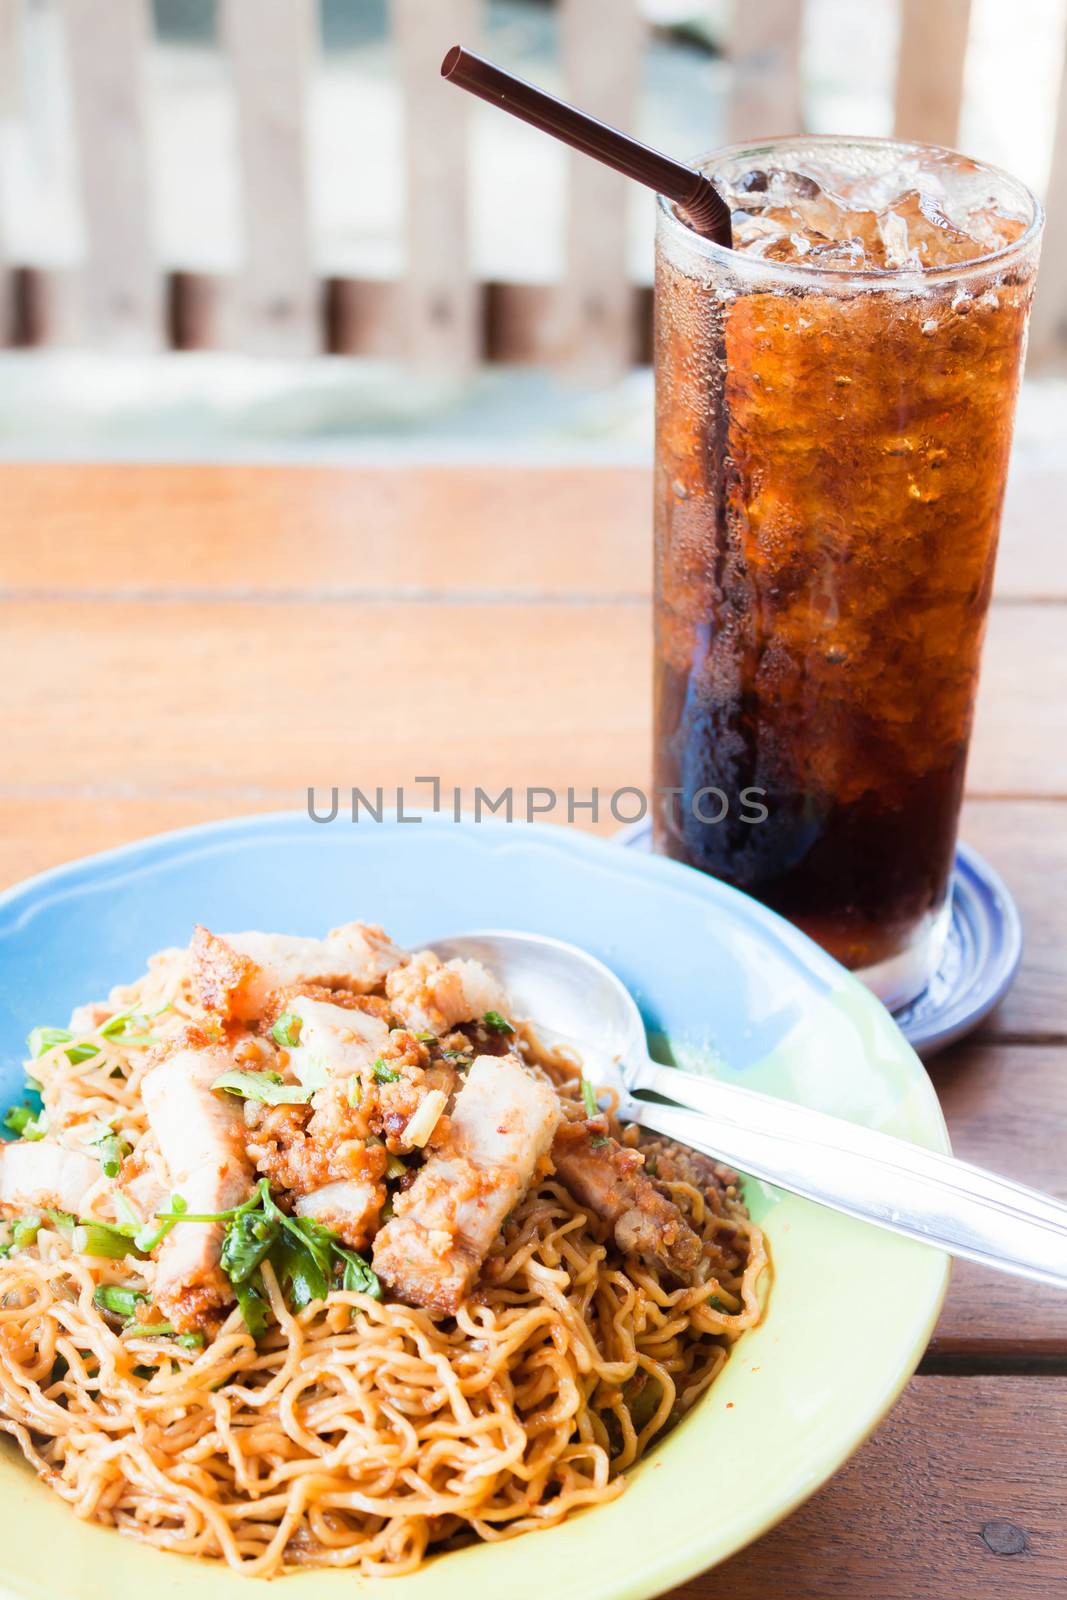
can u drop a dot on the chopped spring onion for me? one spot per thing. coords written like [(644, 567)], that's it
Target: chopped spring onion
[(41, 1040), (113, 1150), (63, 1220), (426, 1037), (149, 1237), (120, 1300), (98, 1239), (26, 1123), (597, 1144), (163, 1330), (395, 1167), (589, 1099), (286, 1031), (355, 1090), (497, 1023), (383, 1073), (267, 1087), (129, 1026), (115, 1024), (24, 1231)]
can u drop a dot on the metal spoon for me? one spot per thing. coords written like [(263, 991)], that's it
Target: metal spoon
[(573, 998)]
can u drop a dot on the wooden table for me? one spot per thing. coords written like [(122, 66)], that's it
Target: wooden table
[(183, 643)]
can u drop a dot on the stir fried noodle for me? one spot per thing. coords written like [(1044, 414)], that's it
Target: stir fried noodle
[(337, 1368)]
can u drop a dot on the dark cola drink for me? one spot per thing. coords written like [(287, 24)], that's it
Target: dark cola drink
[(835, 399)]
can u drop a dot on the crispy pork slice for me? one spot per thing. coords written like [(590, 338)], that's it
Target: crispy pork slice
[(428, 995), (356, 957), (236, 974), (502, 1124), (42, 1173), (349, 1207), (610, 1179), (226, 983), (334, 1041), (145, 1192), (201, 1138)]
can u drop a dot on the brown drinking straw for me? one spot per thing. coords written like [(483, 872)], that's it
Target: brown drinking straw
[(705, 209)]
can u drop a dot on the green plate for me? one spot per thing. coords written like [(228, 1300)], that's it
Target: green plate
[(731, 987)]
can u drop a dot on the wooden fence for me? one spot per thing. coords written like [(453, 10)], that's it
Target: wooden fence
[(121, 294)]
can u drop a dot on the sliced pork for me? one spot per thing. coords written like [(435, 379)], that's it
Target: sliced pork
[(501, 1126), (610, 1179), (430, 996), (334, 1041), (351, 1208), (43, 1173), (236, 974), (202, 1140)]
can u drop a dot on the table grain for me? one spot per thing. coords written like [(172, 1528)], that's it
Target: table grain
[(182, 643)]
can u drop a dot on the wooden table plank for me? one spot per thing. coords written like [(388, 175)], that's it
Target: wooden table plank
[(320, 531), (905, 1519), (1018, 746), (272, 698), (1026, 841), (1006, 1107), (416, 530), (296, 693)]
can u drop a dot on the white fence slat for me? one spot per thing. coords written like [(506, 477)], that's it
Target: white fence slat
[(10, 19), (9, 87), (120, 285), (274, 304), (1048, 323), (764, 50), (600, 49), (930, 66), (440, 302)]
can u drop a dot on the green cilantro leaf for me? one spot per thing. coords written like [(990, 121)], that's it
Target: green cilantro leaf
[(267, 1087), (497, 1023), (118, 1299), (286, 1031)]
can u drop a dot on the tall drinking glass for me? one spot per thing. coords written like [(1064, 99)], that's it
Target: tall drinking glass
[(835, 399)]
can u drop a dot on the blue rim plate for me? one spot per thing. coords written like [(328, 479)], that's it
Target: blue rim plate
[(983, 948), (730, 987)]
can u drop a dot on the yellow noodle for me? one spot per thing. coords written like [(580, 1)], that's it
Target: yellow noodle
[(357, 1433)]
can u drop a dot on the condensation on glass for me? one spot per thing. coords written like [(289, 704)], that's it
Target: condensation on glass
[(834, 413)]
